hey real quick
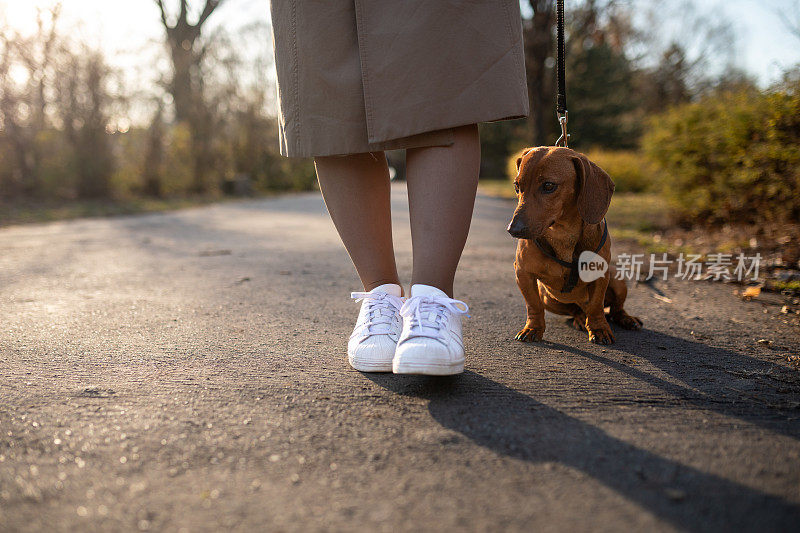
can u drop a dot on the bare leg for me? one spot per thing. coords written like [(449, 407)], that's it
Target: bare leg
[(442, 181), (356, 192)]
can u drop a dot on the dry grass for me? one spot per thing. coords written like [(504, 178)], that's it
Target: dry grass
[(46, 211)]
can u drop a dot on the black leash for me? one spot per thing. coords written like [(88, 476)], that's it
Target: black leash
[(561, 113), (561, 98), (574, 269)]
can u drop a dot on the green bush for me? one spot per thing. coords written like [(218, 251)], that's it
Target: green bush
[(630, 170), (177, 173), (731, 156), (126, 181)]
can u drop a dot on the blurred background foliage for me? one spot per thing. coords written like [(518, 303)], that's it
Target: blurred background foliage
[(662, 107), (732, 155), (205, 128)]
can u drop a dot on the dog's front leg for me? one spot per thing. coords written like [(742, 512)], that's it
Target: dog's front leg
[(596, 323), (534, 325)]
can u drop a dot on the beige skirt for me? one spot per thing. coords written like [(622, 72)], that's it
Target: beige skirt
[(357, 76)]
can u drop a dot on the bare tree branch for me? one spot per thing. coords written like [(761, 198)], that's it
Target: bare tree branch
[(791, 19), (209, 8), (160, 5), (182, 17), (182, 24)]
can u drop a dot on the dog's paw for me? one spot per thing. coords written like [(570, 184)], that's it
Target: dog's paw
[(601, 335), (530, 334), (578, 322), (626, 321)]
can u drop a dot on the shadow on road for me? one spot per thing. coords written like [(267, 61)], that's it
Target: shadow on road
[(721, 380), (516, 425)]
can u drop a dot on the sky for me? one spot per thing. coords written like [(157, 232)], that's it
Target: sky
[(765, 46), (125, 28)]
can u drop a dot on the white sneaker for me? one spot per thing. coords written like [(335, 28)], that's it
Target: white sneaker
[(372, 343), (430, 342)]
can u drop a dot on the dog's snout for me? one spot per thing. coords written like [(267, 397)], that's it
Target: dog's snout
[(517, 228)]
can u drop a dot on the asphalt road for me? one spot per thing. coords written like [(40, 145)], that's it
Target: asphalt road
[(187, 372)]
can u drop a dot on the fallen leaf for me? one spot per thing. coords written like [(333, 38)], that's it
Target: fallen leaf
[(751, 292), (662, 298)]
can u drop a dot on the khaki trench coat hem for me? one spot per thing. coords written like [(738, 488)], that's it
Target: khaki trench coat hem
[(357, 144), (366, 75)]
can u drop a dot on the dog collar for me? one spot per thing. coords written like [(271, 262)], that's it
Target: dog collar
[(572, 275)]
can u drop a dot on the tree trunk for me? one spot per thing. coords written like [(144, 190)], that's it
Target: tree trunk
[(186, 86), (538, 49), (183, 87), (154, 156)]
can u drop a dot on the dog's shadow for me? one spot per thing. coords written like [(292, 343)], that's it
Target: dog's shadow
[(717, 379), (516, 425)]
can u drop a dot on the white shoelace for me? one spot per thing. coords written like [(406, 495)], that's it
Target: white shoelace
[(381, 310), (428, 312)]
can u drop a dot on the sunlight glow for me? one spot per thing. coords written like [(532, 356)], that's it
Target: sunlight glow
[(125, 27)]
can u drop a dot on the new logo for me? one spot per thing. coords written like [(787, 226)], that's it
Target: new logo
[(591, 266)]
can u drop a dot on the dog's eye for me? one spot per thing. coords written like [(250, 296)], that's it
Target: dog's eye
[(548, 187)]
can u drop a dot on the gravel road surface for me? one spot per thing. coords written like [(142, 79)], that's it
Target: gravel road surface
[(187, 372)]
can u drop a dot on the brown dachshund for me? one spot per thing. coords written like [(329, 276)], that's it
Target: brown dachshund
[(559, 221)]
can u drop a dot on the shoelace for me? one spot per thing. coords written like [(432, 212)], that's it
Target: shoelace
[(381, 309), (429, 312)]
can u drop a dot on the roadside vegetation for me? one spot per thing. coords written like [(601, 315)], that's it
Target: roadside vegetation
[(80, 136)]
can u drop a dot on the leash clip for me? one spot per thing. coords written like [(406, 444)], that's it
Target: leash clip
[(562, 120)]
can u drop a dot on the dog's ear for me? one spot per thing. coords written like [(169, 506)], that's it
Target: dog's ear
[(519, 159), (594, 190)]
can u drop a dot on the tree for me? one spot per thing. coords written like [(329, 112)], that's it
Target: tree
[(539, 48), (791, 18), (187, 52), (84, 104), (667, 84), (602, 104), (682, 61), (154, 154), (605, 24), (23, 104)]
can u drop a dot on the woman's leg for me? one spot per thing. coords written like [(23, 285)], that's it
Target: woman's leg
[(356, 192), (442, 181)]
